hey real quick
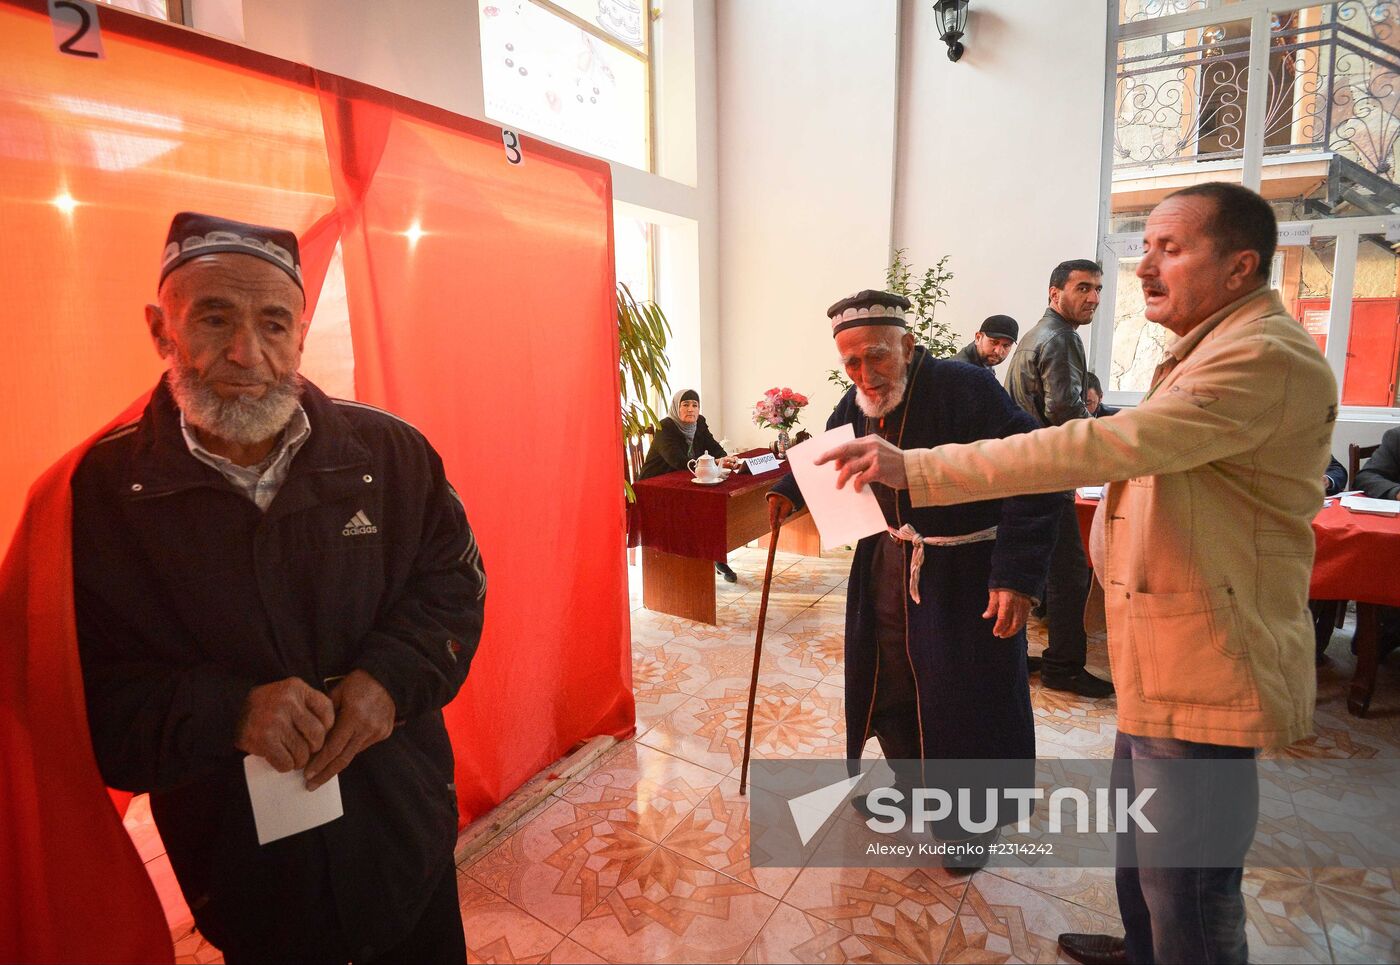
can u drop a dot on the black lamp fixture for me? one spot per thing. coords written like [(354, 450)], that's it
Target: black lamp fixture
[(952, 21)]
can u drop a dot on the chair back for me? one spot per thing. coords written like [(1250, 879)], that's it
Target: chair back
[(637, 452), (1355, 454)]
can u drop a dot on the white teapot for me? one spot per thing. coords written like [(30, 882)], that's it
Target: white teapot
[(705, 468)]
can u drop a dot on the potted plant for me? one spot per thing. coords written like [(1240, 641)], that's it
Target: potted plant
[(642, 332)]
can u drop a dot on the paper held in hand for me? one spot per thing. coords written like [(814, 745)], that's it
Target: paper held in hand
[(282, 806), (842, 515)]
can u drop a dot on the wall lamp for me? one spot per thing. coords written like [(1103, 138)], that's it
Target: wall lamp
[(952, 22)]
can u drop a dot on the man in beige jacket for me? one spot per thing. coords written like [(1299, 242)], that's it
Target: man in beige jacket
[(1202, 543)]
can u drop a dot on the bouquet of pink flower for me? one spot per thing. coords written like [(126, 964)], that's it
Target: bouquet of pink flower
[(779, 409)]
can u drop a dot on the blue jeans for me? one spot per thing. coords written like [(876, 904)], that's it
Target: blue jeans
[(1181, 914)]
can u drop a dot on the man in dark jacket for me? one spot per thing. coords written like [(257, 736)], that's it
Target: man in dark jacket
[(992, 343), (1380, 477), (1093, 398), (262, 570), (1047, 380), (935, 656)]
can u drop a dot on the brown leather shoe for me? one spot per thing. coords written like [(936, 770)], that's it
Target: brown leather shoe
[(1094, 949)]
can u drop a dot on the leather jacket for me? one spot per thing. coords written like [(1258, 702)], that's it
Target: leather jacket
[(1046, 377)]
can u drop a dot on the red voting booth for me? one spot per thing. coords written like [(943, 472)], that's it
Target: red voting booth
[(480, 304)]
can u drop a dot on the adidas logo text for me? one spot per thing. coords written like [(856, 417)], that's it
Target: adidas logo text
[(359, 525)]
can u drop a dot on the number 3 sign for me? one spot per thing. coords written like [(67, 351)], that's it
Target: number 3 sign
[(75, 28), (511, 140)]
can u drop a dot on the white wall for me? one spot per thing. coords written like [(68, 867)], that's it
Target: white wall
[(999, 153), (807, 95)]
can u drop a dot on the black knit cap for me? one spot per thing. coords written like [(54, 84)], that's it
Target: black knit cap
[(869, 307), (192, 234), (689, 395), (1001, 326)]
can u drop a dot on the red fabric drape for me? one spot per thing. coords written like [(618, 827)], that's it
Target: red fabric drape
[(493, 333), (481, 301)]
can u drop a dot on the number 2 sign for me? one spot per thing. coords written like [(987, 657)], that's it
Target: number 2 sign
[(75, 28)]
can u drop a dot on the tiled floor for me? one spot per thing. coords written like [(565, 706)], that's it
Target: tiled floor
[(644, 858)]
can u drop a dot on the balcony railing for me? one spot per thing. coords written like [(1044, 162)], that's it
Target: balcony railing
[(1333, 88)]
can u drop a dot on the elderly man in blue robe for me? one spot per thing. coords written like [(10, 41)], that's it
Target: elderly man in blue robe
[(936, 607)]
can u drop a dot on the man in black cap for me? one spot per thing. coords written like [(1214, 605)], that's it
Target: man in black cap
[(1046, 379), (262, 570), (992, 343), (936, 608)]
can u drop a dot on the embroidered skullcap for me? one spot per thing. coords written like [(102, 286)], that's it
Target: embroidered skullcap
[(192, 234), (868, 308)]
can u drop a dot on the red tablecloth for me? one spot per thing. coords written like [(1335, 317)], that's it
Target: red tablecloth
[(1358, 556), (676, 515)]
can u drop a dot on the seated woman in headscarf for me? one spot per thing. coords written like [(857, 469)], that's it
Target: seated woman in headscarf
[(681, 437)]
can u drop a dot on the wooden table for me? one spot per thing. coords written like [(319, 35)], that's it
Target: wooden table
[(686, 528), (1355, 560)]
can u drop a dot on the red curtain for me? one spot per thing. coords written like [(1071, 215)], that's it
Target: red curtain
[(480, 299)]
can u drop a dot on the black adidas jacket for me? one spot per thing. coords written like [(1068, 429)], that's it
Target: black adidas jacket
[(187, 596)]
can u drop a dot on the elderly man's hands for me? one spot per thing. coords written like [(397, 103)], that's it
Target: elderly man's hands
[(285, 722), (866, 460), (1010, 609), (364, 715)]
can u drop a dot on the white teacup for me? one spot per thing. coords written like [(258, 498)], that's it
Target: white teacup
[(705, 468)]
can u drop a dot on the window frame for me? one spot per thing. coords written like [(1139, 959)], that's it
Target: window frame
[(1347, 230), (645, 55)]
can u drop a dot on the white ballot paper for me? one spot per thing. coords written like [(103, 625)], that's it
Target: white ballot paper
[(842, 515), (1377, 507), (282, 806)]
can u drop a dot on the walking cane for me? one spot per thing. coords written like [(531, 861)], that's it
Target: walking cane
[(758, 655)]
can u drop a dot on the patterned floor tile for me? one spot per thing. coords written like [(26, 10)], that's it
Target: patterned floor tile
[(1093, 888), (192, 948), (172, 900), (906, 912), (1377, 884), (673, 909), (1360, 929), (1002, 921), (643, 790), (1284, 919), (716, 834), (498, 931), (141, 827), (654, 705), (570, 952), (709, 729), (792, 935), (559, 866)]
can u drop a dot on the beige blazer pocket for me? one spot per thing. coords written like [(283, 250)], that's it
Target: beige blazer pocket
[(1188, 649)]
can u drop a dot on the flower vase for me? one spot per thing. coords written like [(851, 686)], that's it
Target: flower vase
[(780, 450)]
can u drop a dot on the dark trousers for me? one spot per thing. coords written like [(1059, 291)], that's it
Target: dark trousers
[(1066, 591), (437, 939), (1181, 914)]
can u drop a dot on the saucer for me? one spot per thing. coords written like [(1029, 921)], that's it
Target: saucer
[(706, 482)]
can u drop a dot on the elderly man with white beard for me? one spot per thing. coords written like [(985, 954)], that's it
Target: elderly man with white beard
[(936, 608), (262, 570)]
